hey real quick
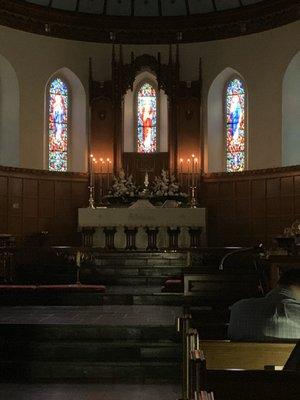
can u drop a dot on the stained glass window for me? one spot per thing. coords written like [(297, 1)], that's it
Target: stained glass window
[(146, 119), (235, 102), (58, 125)]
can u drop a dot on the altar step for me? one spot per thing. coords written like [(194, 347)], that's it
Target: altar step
[(100, 353)]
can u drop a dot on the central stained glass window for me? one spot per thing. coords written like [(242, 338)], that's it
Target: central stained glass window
[(235, 99), (147, 119), (58, 125)]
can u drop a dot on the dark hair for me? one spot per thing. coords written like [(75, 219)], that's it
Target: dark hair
[(290, 277)]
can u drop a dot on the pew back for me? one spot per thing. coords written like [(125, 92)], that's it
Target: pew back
[(221, 286)]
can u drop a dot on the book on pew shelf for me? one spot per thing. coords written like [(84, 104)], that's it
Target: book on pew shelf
[(273, 367)]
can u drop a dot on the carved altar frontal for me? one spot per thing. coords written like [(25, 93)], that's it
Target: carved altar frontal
[(165, 219)]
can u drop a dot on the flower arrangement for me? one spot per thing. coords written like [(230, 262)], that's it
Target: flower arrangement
[(165, 185), (123, 187)]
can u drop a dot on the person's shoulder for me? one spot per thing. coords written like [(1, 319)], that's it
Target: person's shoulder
[(246, 303)]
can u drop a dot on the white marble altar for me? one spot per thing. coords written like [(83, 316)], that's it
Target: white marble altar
[(141, 218)]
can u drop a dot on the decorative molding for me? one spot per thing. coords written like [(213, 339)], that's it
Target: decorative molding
[(43, 172), (267, 14), (252, 173)]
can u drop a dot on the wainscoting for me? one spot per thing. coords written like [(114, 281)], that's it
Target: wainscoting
[(32, 201), (250, 207), (243, 208)]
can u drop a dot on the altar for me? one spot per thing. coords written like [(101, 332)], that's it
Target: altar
[(145, 228)]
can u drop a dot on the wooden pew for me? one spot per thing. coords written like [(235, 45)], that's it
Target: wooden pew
[(241, 384), (202, 361), (221, 286), (222, 354)]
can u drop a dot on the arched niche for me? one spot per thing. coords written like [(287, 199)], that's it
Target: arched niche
[(9, 115), (130, 116), (215, 148), (291, 113), (77, 133)]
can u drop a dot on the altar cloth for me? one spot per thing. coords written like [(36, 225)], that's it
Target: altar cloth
[(142, 217), (163, 218)]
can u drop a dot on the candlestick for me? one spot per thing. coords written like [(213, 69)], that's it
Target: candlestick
[(188, 171), (196, 170), (91, 186)]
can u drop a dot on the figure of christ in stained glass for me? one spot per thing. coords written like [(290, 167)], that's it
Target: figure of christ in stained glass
[(146, 119), (58, 125), (235, 126)]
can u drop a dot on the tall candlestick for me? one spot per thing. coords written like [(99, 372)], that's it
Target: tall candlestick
[(196, 170), (188, 171), (91, 187)]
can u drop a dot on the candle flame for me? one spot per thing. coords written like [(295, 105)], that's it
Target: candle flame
[(188, 160), (181, 160)]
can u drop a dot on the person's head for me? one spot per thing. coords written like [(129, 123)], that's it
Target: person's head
[(291, 279)]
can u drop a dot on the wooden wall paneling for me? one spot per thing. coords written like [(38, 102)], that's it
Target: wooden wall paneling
[(15, 206), (265, 202), (30, 206), (102, 128), (189, 128), (32, 201), (46, 190), (138, 164), (3, 204)]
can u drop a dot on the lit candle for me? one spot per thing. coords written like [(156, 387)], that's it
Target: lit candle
[(188, 170)]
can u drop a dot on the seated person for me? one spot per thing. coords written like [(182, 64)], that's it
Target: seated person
[(275, 316)]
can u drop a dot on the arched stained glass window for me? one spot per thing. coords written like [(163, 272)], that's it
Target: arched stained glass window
[(236, 135), (146, 119), (58, 125)]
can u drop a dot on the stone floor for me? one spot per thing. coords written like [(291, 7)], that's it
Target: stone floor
[(118, 315), (88, 392)]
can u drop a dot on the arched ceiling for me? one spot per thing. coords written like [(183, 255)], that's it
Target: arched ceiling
[(144, 8), (147, 21)]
